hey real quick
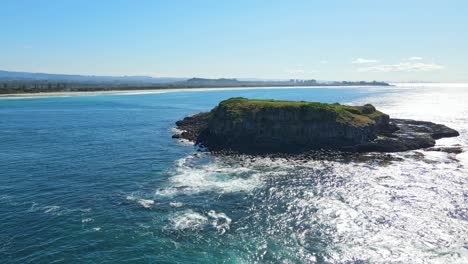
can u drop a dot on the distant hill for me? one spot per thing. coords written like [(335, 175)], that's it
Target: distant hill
[(29, 76)]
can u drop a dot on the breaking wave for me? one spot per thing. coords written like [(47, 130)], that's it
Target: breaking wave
[(192, 220), (191, 177)]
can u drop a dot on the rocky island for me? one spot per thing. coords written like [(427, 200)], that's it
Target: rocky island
[(256, 126)]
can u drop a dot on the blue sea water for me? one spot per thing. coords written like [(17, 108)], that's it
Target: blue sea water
[(98, 179)]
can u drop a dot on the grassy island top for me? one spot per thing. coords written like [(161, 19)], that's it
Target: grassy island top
[(240, 107)]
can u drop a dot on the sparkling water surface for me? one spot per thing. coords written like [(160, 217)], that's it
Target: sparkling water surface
[(98, 179)]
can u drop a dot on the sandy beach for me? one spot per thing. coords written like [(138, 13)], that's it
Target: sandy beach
[(152, 91)]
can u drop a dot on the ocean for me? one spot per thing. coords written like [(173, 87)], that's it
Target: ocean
[(98, 179)]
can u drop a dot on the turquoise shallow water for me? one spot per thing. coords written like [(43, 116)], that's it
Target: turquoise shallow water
[(98, 179)]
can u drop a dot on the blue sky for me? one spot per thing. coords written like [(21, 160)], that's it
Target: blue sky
[(328, 40)]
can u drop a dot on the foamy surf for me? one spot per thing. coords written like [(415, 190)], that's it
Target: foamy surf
[(191, 220), (146, 203), (220, 221), (176, 204), (188, 220), (86, 220), (189, 177)]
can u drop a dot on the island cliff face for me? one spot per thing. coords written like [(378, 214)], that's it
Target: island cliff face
[(271, 126)]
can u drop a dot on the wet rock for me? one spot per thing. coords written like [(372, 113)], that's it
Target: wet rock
[(177, 136)]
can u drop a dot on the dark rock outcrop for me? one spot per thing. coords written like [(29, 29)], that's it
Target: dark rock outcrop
[(269, 126), (410, 135)]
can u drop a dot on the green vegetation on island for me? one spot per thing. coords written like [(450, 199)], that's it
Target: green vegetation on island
[(345, 114)]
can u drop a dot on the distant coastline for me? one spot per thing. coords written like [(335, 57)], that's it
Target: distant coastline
[(167, 90), (23, 83)]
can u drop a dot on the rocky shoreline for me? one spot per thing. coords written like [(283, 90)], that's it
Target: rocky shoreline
[(247, 126)]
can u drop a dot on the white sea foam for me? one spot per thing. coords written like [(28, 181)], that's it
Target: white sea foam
[(176, 204), (463, 157), (185, 142), (54, 209), (87, 220), (220, 221), (131, 198), (51, 209), (189, 220), (215, 177), (182, 141), (175, 130), (146, 202), (192, 220)]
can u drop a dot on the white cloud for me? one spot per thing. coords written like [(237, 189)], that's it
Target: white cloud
[(363, 61), (403, 67), (414, 58)]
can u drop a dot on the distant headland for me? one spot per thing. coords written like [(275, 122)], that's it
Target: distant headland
[(26, 83), (255, 126)]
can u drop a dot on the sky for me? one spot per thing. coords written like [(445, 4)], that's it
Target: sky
[(394, 40)]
